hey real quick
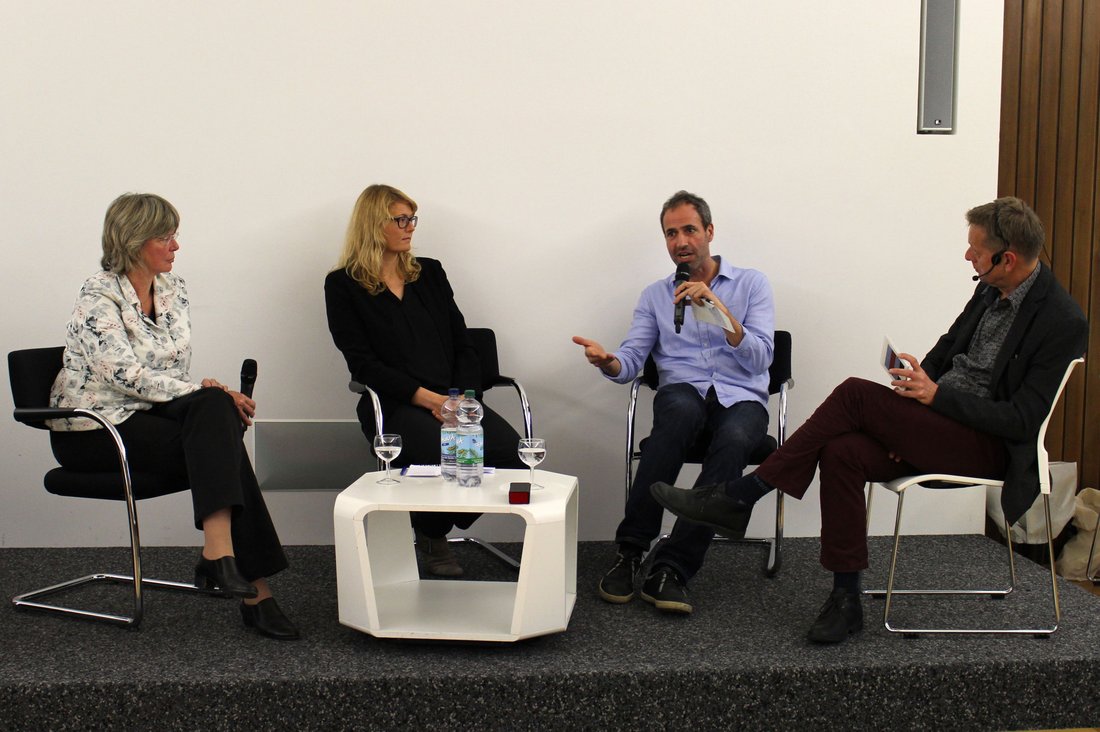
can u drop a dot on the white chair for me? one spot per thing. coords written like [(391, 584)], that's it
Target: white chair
[(941, 481)]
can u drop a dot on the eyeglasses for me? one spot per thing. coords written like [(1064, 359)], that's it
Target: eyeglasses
[(404, 221), (168, 238)]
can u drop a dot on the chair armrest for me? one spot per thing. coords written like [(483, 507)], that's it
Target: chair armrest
[(31, 415), (500, 380), (34, 416), (524, 402), (376, 405)]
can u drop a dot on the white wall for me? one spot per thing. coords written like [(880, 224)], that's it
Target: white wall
[(540, 141)]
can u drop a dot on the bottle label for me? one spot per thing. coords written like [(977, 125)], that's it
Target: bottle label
[(471, 449), (447, 443)]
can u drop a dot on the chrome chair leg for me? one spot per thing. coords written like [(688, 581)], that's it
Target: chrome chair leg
[(29, 600), (1092, 550), (890, 591), (514, 564)]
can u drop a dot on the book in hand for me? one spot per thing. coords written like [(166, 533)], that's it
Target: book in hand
[(891, 359)]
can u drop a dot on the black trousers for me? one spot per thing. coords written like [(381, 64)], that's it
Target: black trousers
[(196, 437), (419, 432)]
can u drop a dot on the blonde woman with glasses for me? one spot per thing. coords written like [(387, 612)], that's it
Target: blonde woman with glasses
[(393, 315)]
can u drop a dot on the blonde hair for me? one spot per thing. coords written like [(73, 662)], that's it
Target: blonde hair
[(365, 242), (133, 219)]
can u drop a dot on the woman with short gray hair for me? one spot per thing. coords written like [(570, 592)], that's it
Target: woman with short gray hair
[(128, 356)]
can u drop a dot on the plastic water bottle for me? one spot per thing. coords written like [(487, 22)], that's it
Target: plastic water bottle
[(448, 436), (470, 455)]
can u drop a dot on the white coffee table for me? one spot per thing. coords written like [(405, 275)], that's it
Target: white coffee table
[(379, 588)]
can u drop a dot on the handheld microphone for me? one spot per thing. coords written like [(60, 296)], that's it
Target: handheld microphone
[(248, 377), (993, 262), (683, 272)]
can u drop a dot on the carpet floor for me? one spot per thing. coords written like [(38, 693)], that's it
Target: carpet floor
[(741, 661)]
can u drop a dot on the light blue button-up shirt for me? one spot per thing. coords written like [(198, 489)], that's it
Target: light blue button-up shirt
[(700, 355)]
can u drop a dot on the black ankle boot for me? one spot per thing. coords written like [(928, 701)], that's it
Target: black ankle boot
[(268, 619), (222, 575)]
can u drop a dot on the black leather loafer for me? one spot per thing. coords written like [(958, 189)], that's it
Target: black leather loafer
[(222, 575), (707, 504), (268, 619)]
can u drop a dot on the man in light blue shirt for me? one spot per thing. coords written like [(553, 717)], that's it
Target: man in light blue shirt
[(713, 382)]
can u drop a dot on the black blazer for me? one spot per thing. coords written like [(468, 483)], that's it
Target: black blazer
[(1049, 331), (362, 328)]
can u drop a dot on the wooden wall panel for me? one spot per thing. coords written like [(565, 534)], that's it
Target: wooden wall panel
[(1050, 157), (1088, 251)]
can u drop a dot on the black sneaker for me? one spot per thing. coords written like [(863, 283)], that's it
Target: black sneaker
[(618, 584), (665, 589), (841, 615)]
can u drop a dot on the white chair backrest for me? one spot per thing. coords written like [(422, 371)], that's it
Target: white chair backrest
[(1044, 461)]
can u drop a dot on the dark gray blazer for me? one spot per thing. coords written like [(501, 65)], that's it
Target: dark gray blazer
[(1049, 331)]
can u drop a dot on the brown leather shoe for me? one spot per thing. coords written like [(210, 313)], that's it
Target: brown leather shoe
[(438, 557)]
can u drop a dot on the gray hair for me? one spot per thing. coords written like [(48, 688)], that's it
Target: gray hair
[(133, 219), (1011, 223)]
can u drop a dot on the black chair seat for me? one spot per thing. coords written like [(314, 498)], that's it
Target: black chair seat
[(108, 486)]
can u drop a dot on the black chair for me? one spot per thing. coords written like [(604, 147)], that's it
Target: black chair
[(780, 382), (485, 343), (32, 373)]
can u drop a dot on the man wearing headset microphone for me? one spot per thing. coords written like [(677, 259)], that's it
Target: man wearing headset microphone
[(973, 406)]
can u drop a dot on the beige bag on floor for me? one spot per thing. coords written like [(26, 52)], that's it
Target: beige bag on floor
[(1032, 526), (1075, 554)]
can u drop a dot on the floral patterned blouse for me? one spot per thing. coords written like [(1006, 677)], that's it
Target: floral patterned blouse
[(118, 360)]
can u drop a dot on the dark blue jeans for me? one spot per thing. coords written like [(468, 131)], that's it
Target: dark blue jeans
[(680, 417)]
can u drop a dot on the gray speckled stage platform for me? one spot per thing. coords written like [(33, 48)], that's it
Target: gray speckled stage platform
[(740, 662)]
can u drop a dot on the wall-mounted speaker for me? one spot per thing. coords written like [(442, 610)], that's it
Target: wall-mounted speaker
[(939, 47)]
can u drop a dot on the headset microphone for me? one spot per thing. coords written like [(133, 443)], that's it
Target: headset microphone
[(995, 219), (993, 262)]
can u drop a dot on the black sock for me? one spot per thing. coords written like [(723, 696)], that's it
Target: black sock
[(747, 490), (847, 581)]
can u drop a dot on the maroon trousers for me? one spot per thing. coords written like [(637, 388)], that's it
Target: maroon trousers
[(851, 436)]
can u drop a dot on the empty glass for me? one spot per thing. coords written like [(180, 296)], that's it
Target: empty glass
[(387, 447), (532, 451)]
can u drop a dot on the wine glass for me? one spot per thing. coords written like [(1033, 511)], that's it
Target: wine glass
[(532, 451), (387, 447)]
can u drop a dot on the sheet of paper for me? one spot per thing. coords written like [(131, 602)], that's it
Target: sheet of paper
[(707, 312), (422, 471), (432, 471)]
